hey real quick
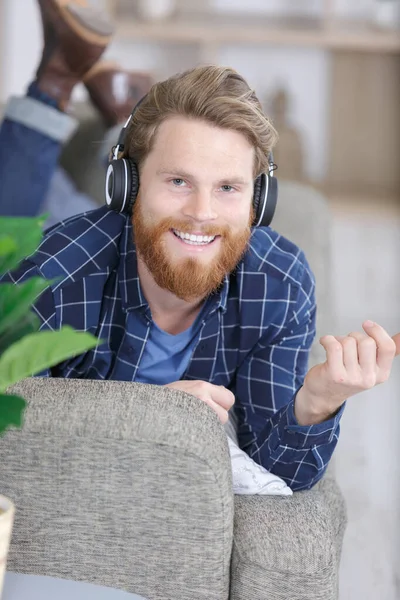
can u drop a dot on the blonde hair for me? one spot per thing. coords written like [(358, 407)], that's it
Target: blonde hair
[(217, 95)]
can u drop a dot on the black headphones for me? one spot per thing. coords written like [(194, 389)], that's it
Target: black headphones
[(122, 183)]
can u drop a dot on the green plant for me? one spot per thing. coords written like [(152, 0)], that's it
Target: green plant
[(24, 350)]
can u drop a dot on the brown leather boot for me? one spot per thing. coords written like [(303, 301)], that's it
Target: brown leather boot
[(115, 91), (75, 36)]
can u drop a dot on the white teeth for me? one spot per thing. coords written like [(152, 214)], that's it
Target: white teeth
[(194, 239)]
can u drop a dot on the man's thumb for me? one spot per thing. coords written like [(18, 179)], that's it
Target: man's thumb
[(396, 339)]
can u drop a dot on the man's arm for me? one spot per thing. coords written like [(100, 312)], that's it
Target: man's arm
[(265, 390)]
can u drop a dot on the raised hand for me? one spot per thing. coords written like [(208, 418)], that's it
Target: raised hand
[(354, 363)]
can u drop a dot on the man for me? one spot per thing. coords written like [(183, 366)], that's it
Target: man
[(185, 293)]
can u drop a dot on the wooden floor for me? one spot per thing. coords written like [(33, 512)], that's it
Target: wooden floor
[(367, 272)]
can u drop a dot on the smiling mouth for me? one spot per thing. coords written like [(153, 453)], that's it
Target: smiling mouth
[(194, 240)]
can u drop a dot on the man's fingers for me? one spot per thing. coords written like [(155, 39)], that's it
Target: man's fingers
[(385, 344), (350, 352), (222, 396), (222, 413), (334, 355), (219, 398), (366, 350)]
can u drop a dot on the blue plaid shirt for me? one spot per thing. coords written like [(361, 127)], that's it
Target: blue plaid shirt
[(254, 338)]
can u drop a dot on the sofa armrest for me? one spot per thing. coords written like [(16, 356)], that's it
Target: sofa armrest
[(289, 547), (121, 484)]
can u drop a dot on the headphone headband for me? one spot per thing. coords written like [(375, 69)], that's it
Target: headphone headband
[(123, 133)]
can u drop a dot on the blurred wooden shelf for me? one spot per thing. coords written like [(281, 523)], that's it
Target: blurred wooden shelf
[(221, 29)]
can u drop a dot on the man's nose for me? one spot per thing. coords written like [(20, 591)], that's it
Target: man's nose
[(200, 206)]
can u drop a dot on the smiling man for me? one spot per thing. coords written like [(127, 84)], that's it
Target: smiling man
[(184, 291), (193, 215)]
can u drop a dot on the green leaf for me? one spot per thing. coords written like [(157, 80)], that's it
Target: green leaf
[(7, 245), (16, 300), (12, 226), (27, 324), (11, 411), (26, 234), (39, 351)]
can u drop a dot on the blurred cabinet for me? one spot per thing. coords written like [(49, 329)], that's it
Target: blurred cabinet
[(365, 124)]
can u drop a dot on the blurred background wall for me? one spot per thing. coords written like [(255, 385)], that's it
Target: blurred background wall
[(310, 75), (335, 96), (305, 71)]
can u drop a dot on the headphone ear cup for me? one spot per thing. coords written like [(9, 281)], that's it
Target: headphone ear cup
[(122, 185), (134, 184), (264, 199), (257, 200)]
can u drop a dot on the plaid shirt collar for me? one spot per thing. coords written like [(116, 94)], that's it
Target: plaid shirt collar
[(131, 292)]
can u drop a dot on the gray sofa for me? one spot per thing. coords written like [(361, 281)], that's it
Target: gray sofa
[(129, 485)]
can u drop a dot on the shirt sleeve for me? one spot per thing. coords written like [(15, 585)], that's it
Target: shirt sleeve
[(265, 388), (44, 306)]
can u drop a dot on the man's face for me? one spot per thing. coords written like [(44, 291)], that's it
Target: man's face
[(192, 216)]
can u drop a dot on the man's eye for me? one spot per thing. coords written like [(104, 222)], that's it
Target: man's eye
[(178, 182), (226, 188)]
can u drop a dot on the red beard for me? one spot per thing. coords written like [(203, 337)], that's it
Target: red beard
[(188, 278)]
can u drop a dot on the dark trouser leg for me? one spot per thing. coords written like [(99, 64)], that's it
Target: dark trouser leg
[(31, 138)]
